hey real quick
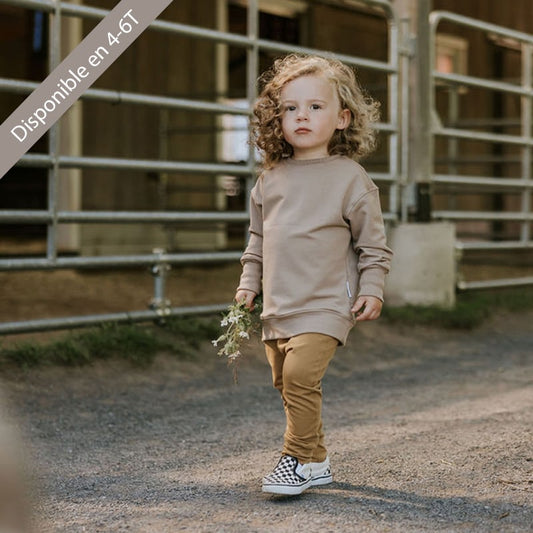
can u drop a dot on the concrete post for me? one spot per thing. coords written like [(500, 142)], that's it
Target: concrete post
[(423, 265)]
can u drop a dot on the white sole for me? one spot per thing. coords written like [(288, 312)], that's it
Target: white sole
[(324, 480), (286, 490)]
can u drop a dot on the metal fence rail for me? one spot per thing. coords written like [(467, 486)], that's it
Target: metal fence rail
[(522, 185), (54, 161)]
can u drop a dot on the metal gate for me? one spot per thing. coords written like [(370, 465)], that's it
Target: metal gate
[(390, 180), (502, 144)]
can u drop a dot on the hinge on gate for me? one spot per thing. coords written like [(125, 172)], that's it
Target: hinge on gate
[(417, 198), (407, 39), (423, 202), (408, 46), (159, 270)]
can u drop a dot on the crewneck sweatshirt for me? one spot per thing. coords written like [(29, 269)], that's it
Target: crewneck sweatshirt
[(317, 242)]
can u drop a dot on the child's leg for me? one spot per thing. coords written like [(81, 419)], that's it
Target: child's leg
[(320, 452), (298, 365), (275, 353)]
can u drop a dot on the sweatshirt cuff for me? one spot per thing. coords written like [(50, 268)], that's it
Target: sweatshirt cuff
[(371, 282), (251, 277)]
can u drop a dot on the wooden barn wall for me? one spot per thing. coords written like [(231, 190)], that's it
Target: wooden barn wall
[(21, 187), (361, 34), (158, 63)]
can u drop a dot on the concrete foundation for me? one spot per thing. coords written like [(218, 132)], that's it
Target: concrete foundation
[(423, 266)]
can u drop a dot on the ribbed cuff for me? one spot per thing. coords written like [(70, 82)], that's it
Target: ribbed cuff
[(251, 277), (371, 282)]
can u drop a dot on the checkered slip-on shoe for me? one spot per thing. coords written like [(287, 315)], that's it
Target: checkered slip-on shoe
[(321, 473), (289, 477)]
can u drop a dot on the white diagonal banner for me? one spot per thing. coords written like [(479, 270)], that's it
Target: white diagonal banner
[(76, 73)]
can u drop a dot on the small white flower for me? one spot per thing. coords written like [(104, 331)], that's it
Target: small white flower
[(234, 356), (239, 323)]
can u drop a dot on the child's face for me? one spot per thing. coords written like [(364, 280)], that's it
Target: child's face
[(311, 113)]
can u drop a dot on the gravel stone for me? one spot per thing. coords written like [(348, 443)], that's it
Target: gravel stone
[(428, 431)]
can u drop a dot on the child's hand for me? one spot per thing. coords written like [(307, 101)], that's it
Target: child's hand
[(247, 297), (367, 308)]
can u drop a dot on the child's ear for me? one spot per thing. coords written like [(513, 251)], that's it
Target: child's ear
[(344, 119)]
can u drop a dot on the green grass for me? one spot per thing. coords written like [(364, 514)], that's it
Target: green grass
[(470, 310), (136, 343), (182, 336)]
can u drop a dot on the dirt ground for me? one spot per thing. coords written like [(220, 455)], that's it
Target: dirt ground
[(62, 293), (428, 430)]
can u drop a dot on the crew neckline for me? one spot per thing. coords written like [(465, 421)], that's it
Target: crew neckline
[(291, 161)]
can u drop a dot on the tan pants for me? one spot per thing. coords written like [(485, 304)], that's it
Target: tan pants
[(298, 366)]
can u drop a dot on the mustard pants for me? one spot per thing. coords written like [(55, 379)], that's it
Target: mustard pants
[(298, 366)]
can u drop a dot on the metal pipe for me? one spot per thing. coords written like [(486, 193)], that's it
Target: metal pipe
[(349, 60), (500, 245), (462, 79), (113, 261), (383, 4), (482, 215), (387, 127), (383, 176), (120, 97), (39, 5), (126, 217), (437, 16), (495, 283), (394, 102), (405, 120), (143, 165), (526, 110), (122, 217), (123, 97), (54, 58), (481, 159), (252, 73), (45, 160), (482, 136), (51, 324), (501, 183)]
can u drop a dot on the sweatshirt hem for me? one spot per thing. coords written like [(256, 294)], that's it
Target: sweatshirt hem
[(325, 322)]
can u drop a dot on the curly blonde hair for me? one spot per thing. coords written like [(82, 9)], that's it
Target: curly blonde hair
[(356, 141)]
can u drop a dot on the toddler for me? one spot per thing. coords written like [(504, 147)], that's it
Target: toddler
[(317, 247)]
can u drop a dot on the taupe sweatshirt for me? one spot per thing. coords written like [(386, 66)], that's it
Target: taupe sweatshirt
[(317, 241)]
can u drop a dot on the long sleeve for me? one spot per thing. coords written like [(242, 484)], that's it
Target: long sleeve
[(369, 243), (252, 258)]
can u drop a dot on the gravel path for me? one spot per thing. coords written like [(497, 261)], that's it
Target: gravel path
[(428, 430)]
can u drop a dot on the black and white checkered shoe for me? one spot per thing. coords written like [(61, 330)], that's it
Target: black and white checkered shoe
[(289, 477), (321, 473)]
